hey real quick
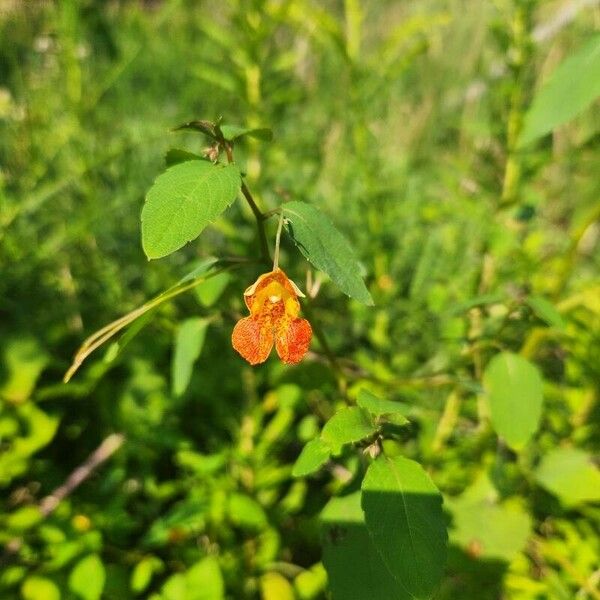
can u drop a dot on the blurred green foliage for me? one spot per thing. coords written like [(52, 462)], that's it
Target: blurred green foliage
[(401, 120)]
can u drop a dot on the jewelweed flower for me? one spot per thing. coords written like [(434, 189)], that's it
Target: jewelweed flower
[(274, 308)]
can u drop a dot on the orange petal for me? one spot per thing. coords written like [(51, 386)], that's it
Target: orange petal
[(293, 340), (252, 341)]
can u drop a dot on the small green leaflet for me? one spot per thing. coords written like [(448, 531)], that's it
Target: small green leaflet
[(204, 580), (348, 425), (403, 513), (87, 578), (514, 391), (546, 311), (234, 132), (326, 248), (188, 345), (313, 456), (379, 407), (573, 86), (570, 474), (183, 201)]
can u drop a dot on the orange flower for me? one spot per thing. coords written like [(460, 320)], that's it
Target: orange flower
[(273, 304)]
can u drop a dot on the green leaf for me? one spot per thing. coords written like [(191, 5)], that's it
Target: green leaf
[(24, 361), (403, 513), (485, 528), (546, 311), (234, 132), (87, 578), (347, 426), (204, 580), (514, 391), (174, 156), (313, 456), (39, 588), (274, 586), (570, 474), (188, 345), (185, 518), (200, 268), (246, 512), (354, 566), (210, 290), (183, 201), (379, 407), (326, 248), (143, 573), (571, 88)]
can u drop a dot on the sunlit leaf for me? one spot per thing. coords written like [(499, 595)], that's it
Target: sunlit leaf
[(313, 456), (571, 88), (326, 248), (87, 578), (346, 426), (204, 580), (274, 586), (39, 588), (570, 474), (183, 201), (379, 407), (514, 392), (485, 528)]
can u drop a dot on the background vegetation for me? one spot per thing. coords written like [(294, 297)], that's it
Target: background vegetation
[(401, 121)]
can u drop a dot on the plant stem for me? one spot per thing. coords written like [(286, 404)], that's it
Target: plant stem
[(258, 214), (277, 242)]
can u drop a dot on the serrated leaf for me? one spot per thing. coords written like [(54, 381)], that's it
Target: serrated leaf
[(570, 474), (403, 513), (87, 578), (189, 340), (571, 88), (354, 566), (348, 425), (174, 156), (546, 311), (183, 201), (379, 407), (313, 456), (514, 392), (326, 248), (234, 132)]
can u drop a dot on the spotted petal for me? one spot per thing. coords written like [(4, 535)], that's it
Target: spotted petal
[(293, 339), (253, 341)]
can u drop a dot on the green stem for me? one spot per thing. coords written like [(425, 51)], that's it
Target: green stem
[(258, 214)]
